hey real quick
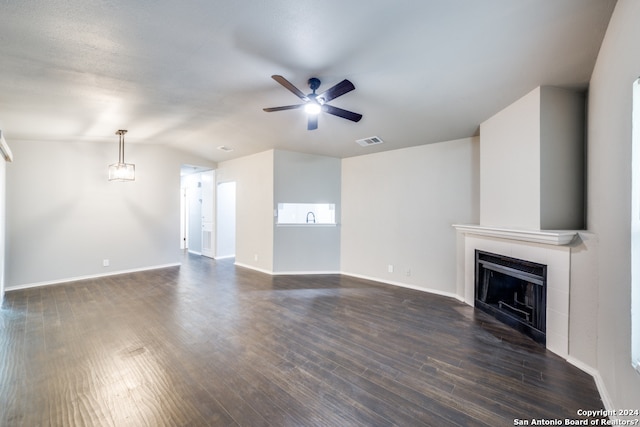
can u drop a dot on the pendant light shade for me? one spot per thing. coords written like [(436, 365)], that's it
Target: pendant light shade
[(122, 171)]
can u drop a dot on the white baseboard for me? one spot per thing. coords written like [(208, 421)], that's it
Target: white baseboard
[(404, 285), (251, 267), (91, 276), (302, 273), (284, 273), (359, 276), (604, 395)]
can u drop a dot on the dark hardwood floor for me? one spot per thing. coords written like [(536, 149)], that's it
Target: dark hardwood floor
[(209, 343)]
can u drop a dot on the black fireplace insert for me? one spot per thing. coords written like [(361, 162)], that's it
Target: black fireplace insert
[(514, 291)]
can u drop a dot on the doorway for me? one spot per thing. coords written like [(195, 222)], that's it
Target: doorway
[(197, 210)]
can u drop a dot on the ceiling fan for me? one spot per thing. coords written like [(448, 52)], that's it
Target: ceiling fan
[(315, 103)]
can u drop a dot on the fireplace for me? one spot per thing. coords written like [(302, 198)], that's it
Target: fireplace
[(514, 291)]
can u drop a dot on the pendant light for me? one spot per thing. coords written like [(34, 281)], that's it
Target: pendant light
[(122, 171)]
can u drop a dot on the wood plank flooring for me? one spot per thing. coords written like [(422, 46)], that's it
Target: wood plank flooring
[(208, 343)]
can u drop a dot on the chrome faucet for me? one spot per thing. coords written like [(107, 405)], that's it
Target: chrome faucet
[(313, 217)]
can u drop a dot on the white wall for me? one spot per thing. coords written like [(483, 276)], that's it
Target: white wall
[(609, 198), (306, 178), (510, 165), (3, 190), (254, 207), (583, 301), (398, 208), (64, 217)]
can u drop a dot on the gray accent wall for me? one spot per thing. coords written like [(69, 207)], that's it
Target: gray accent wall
[(306, 178), (562, 159)]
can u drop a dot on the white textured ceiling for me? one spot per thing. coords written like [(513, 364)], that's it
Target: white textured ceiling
[(196, 74)]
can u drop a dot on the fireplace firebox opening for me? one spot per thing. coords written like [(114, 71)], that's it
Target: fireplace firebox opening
[(513, 291)]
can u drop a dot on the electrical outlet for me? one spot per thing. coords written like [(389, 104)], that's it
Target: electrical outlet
[(105, 263), (390, 268), (255, 257), (408, 272)]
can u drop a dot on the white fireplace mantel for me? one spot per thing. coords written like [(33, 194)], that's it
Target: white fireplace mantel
[(549, 237)]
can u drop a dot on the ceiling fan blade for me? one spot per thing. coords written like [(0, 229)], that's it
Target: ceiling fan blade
[(349, 115), (313, 122), (288, 85), (337, 90), (286, 107)]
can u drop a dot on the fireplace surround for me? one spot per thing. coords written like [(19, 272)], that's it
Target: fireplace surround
[(513, 291), (552, 249)]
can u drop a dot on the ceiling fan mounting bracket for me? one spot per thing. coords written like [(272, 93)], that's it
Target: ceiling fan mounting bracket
[(314, 83)]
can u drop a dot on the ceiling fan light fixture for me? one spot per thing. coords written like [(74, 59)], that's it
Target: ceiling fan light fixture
[(312, 107)]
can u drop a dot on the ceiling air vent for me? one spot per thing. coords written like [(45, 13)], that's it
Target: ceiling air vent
[(372, 140)]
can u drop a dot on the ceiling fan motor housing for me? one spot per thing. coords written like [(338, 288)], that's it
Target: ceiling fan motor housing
[(314, 83)]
